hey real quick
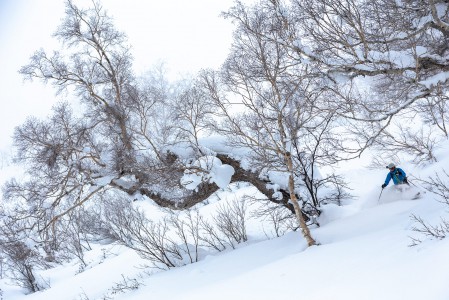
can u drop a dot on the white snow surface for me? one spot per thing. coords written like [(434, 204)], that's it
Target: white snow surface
[(209, 168), (364, 253)]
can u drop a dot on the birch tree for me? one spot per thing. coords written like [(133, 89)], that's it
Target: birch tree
[(273, 105), (385, 58)]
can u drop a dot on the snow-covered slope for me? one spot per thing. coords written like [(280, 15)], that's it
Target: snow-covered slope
[(364, 254)]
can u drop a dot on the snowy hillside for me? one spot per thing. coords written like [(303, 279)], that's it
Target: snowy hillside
[(365, 253), (258, 176)]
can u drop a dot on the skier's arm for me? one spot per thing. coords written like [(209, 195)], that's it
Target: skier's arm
[(387, 180)]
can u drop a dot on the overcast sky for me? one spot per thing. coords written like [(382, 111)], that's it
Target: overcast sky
[(186, 35)]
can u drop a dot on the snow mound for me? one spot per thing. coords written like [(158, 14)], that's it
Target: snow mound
[(207, 169)]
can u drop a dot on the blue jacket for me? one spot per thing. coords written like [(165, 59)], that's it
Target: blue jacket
[(398, 175)]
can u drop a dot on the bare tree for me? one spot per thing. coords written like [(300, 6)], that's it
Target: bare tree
[(22, 259), (192, 113), (400, 46), (423, 228), (435, 109), (419, 144), (438, 185), (97, 64), (63, 160), (121, 137), (212, 238), (278, 216), (285, 119), (379, 58), (150, 239), (150, 117), (188, 230), (230, 220), (71, 157)]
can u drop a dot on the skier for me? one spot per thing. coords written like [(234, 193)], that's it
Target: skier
[(397, 174)]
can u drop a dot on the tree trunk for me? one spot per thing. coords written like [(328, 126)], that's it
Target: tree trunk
[(291, 187)]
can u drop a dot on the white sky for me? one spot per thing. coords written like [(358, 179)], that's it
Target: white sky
[(186, 35)]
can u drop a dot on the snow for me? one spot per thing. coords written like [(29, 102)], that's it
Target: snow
[(364, 253), (208, 168), (435, 80)]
